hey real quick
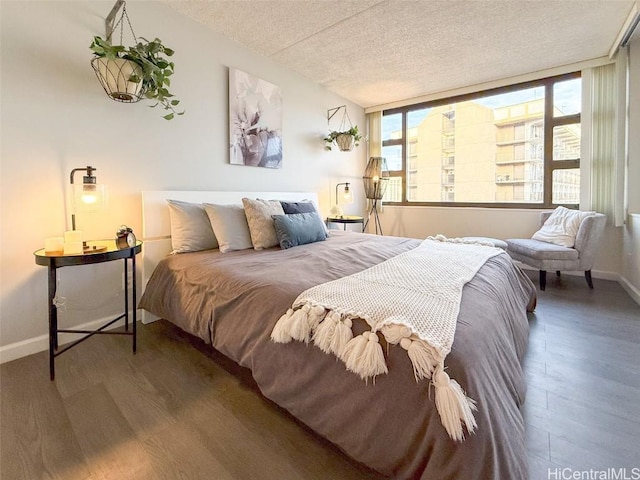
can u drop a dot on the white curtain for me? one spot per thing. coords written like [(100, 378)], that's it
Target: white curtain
[(608, 152)]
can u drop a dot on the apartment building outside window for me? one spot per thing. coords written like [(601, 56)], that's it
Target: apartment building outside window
[(513, 146)]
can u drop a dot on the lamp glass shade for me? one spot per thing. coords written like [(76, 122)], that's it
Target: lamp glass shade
[(89, 197), (347, 197), (376, 178)]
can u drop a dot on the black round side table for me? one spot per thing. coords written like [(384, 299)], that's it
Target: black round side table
[(346, 219), (97, 251)]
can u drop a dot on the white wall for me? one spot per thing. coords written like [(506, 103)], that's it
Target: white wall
[(55, 117), (631, 238)]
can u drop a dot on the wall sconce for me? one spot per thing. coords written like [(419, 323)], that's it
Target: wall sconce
[(88, 196), (347, 197), (376, 180)]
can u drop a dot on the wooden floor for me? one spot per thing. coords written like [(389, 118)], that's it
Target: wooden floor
[(176, 411), (583, 375)]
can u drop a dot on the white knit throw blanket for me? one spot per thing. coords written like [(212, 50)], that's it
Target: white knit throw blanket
[(412, 299)]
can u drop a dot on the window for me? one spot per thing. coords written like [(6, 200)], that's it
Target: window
[(512, 146)]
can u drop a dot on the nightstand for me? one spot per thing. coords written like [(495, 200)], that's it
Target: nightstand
[(346, 219), (98, 251)]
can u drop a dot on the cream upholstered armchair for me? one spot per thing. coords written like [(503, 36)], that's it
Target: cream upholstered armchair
[(549, 256)]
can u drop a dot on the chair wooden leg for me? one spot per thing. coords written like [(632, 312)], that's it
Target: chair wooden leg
[(587, 276), (543, 279)]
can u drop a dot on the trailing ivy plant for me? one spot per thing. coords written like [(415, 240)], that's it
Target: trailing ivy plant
[(156, 69), (330, 139)]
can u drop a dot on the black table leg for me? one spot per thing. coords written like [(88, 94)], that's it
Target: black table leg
[(126, 296), (53, 322), (133, 270)]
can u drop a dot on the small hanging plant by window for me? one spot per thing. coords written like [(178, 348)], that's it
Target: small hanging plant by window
[(129, 74), (347, 137)]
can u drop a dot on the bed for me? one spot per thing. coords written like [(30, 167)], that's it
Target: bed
[(233, 300)]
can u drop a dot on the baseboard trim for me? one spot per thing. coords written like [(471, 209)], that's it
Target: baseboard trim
[(40, 343), (631, 290), (148, 317)]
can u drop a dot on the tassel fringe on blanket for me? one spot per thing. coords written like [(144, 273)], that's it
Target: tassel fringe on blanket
[(363, 356), (396, 306)]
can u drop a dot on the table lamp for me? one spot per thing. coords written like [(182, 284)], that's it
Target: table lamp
[(336, 210), (87, 196)]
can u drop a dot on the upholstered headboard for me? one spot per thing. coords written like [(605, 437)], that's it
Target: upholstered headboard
[(156, 226)]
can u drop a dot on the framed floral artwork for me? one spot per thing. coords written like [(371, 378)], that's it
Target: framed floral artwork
[(255, 121)]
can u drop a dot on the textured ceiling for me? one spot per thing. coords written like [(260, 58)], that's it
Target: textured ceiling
[(375, 52)]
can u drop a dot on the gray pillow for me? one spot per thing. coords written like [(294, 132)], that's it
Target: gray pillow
[(297, 207), (190, 227), (230, 226), (299, 229)]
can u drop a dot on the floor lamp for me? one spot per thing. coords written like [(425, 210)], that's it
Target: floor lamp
[(376, 180)]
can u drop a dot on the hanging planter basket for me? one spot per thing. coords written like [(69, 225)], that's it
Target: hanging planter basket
[(347, 137), (345, 142), (115, 75), (129, 74)]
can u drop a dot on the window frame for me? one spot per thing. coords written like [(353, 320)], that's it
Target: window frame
[(549, 164)]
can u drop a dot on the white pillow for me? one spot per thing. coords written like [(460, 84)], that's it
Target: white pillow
[(230, 226), (190, 227), (263, 231), (562, 227)]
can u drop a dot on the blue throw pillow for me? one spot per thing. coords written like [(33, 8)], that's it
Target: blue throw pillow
[(297, 207), (299, 229)]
